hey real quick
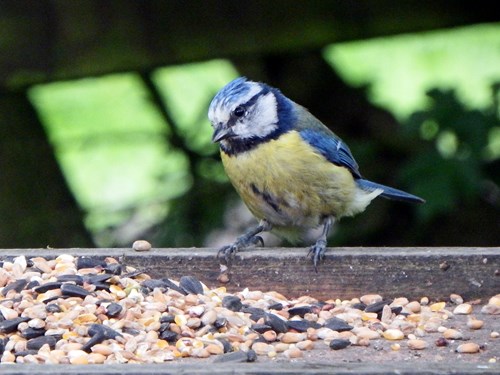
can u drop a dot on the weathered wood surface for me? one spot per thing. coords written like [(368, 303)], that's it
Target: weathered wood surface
[(254, 368), (344, 273)]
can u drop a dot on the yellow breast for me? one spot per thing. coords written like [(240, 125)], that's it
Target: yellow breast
[(288, 183)]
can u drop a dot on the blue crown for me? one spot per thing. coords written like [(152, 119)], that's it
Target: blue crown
[(231, 92)]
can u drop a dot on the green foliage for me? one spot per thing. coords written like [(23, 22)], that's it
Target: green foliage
[(400, 69), (140, 166), (449, 166)]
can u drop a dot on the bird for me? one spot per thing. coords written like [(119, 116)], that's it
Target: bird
[(292, 172)]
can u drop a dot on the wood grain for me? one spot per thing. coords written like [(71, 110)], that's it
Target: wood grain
[(345, 272)]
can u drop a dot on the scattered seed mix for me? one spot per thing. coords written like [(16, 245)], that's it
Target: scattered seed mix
[(80, 310)]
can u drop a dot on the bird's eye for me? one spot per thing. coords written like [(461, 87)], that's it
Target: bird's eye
[(239, 111)]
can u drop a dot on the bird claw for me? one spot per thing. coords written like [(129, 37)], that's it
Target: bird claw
[(227, 252), (317, 251)]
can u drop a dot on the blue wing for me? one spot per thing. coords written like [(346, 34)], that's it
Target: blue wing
[(324, 140), (337, 152), (332, 148)]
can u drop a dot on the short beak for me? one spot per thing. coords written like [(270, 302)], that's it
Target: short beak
[(222, 132)]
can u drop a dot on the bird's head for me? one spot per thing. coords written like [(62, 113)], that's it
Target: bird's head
[(244, 112)]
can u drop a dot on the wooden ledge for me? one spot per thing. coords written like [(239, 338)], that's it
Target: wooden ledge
[(344, 273), (266, 368)]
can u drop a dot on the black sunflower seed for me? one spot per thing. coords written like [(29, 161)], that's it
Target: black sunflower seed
[(113, 310), (260, 328), (232, 303), (276, 306), (31, 333), (98, 333), (220, 322), (300, 310), (251, 355), (338, 325), (360, 306), (377, 306), (17, 285), (113, 268), (171, 285), (37, 342), (255, 312), (88, 262), (33, 284), (77, 279), (151, 284), (167, 319), (168, 335), (2, 344), (191, 285), (97, 329), (48, 286), (74, 290), (298, 325), (226, 345), (277, 324), (10, 325), (98, 279), (338, 344)]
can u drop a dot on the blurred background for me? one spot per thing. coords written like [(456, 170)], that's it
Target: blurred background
[(104, 137)]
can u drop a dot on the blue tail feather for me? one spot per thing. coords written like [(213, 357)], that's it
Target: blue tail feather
[(388, 192)]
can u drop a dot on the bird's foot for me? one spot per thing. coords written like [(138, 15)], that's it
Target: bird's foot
[(227, 252), (317, 252)]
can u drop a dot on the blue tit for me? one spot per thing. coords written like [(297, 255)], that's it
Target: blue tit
[(292, 172)]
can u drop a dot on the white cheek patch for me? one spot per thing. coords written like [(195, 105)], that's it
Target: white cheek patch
[(262, 118)]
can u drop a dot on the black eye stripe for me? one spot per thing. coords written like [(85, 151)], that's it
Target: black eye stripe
[(254, 98), (239, 111), (250, 102)]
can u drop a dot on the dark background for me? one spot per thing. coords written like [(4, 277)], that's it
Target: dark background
[(279, 42)]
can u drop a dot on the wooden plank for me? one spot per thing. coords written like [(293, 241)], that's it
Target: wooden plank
[(205, 366), (345, 272)]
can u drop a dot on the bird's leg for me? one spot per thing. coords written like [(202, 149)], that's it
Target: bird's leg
[(248, 239), (317, 251)]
